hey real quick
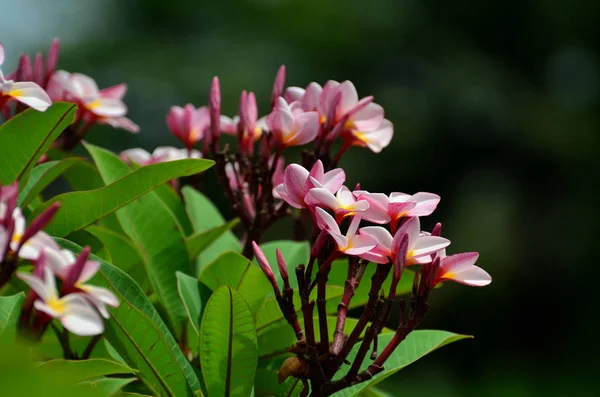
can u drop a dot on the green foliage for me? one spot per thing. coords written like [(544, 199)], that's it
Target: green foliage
[(415, 346), (198, 242), (10, 307), (27, 136), (228, 348), (42, 175), (205, 216), (194, 296), (294, 253), (141, 337), (82, 370)]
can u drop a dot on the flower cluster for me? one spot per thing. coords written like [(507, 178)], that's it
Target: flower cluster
[(392, 241), (37, 84), (77, 304)]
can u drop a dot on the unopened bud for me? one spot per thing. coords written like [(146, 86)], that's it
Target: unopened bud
[(266, 268), (40, 222), (437, 230), (282, 265), (292, 366), (278, 85), (52, 59)]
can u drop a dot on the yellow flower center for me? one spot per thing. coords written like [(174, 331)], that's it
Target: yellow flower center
[(16, 238), (57, 305)]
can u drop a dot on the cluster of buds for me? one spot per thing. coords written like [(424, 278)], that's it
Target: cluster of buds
[(392, 241), (317, 115), (77, 305), (37, 84)]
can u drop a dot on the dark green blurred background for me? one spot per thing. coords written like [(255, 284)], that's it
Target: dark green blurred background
[(494, 106)]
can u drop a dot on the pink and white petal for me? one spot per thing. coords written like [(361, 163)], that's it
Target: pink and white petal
[(19, 219), (116, 91), (294, 180), (41, 306), (31, 95), (90, 268), (427, 245), (375, 256), (349, 98), (121, 122), (461, 268), (397, 197), (326, 221), (310, 99), (2, 54), (360, 206), (36, 284), (137, 155), (229, 125), (381, 235), (308, 128), (83, 86), (359, 244), (474, 276), (318, 171), (376, 215), (379, 139), (32, 247), (397, 210), (411, 227), (426, 203), (293, 94), (80, 318), (334, 179), (322, 197), (345, 196), (370, 118), (106, 107)]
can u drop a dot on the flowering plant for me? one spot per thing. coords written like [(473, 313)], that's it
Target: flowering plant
[(162, 296)]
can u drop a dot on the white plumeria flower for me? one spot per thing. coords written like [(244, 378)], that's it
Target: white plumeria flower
[(461, 269), (73, 310), (421, 246), (61, 263), (343, 203), (170, 153), (351, 243), (26, 92)]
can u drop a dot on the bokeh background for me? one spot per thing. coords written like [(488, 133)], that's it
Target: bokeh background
[(494, 105)]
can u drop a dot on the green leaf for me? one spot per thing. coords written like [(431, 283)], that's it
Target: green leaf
[(198, 242), (125, 254), (175, 204), (294, 253), (375, 392), (107, 386), (41, 176), (270, 315), (194, 296), (239, 273), (416, 345), (154, 229), (80, 209), (25, 137), (80, 176), (10, 308), (140, 336), (292, 387), (266, 383), (205, 216), (81, 370), (228, 349)]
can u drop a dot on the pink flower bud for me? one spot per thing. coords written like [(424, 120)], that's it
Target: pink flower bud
[(74, 271), (52, 59), (24, 70), (281, 263), (214, 104), (38, 69), (278, 85), (39, 222)]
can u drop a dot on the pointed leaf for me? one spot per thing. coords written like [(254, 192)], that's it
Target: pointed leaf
[(194, 296), (10, 308), (80, 209), (155, 231), (140, 336), (228, 349), (239, 273), (198, 242), (204, 216), (42, 175), (416, 345), (107, 386), (25, 137), (81, 370)]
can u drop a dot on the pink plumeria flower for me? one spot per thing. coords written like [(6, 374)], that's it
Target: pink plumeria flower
[(308, 97), (421, 246), (75, 272), (73, 310), (102, 106), (26, 92), (384, 209), (291, 126), (246, 124), (189, 124), (376, 140), (461, 269), (351, 243), (343, 203), (296, 182)]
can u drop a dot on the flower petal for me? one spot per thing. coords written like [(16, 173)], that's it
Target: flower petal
[(31, 95), (80, 318), (381, 234), (359, 244), (426, 245), (294, 180)]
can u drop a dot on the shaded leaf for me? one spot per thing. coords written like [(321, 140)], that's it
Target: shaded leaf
[(140, 336), (239, 273), (228, 349), (25, 137), (10, 308), (204, 216), (416, 345), (194, 296), (198, 242), (81, 370), (41, 176), (155, 231), (107, 386)]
